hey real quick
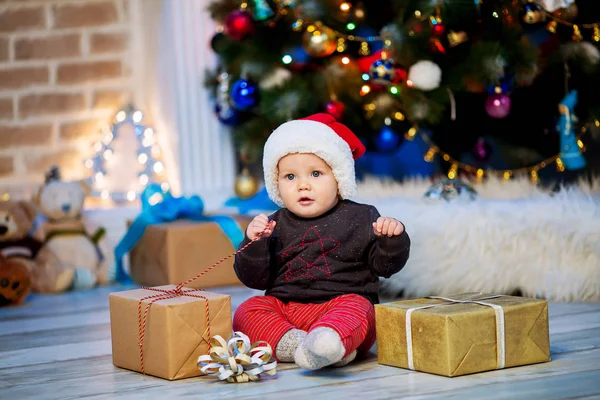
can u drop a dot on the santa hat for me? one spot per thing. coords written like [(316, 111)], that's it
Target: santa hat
[(321, 135)]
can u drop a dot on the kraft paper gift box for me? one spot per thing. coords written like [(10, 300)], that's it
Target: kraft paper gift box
[(458, 338), (176, 332), (172, 252)]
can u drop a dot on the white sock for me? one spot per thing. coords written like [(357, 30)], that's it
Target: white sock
[(346, 360), (287, 345), (321, 347)]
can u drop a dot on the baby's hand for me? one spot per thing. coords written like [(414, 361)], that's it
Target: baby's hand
[(386, 226), (257, 226)]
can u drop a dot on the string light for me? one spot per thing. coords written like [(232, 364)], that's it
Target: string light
[(534, 176), (457, 165), (577, 35), (453, 171), (479, 175), (147, 153), (345, 6)]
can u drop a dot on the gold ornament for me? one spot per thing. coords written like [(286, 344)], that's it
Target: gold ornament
[(246, 185), (551, 26), (456, 38), (319, 40)]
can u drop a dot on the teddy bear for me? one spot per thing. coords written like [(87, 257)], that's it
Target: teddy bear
[(72, 257), (15, 281), (16, 240)]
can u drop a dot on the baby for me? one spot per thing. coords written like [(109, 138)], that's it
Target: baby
[(319, 257)]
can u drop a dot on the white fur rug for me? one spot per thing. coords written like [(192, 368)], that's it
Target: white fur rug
[(514, 237)]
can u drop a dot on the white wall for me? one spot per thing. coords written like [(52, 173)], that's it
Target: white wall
[(173, 46)]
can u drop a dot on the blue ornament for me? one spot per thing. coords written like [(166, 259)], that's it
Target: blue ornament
[(383, 72), (387, 139), (227, 115), (570, 153), (244, 95)]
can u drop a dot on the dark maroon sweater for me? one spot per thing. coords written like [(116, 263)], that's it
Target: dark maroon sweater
[(317, 259)]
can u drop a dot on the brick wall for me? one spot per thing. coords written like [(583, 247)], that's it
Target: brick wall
[(65, 67)]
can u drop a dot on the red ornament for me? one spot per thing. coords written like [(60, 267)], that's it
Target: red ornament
[(438, 29), (336, 109), (239, 24), (401, 75)]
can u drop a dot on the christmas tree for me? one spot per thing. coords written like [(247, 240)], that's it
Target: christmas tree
[(479, 81)]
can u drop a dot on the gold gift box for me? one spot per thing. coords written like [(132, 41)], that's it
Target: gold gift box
[(176, 333), (463, 337), (173, 252)]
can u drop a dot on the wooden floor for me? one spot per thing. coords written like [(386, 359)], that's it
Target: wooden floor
[(58, 347)]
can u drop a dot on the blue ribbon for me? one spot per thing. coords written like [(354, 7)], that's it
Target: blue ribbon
[(160, 207), (260, 201)]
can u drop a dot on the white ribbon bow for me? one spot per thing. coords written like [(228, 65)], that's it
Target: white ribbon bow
[(236, 360)]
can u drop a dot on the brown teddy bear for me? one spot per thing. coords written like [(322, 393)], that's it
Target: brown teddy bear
[(15, 281), (16, 242), (72, 258)]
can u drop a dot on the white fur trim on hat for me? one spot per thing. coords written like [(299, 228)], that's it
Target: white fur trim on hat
[(306, 136)]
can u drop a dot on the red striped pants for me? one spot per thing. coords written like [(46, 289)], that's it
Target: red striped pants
[(268, 318)]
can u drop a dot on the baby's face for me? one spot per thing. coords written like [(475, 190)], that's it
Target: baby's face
[(307, 185)]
